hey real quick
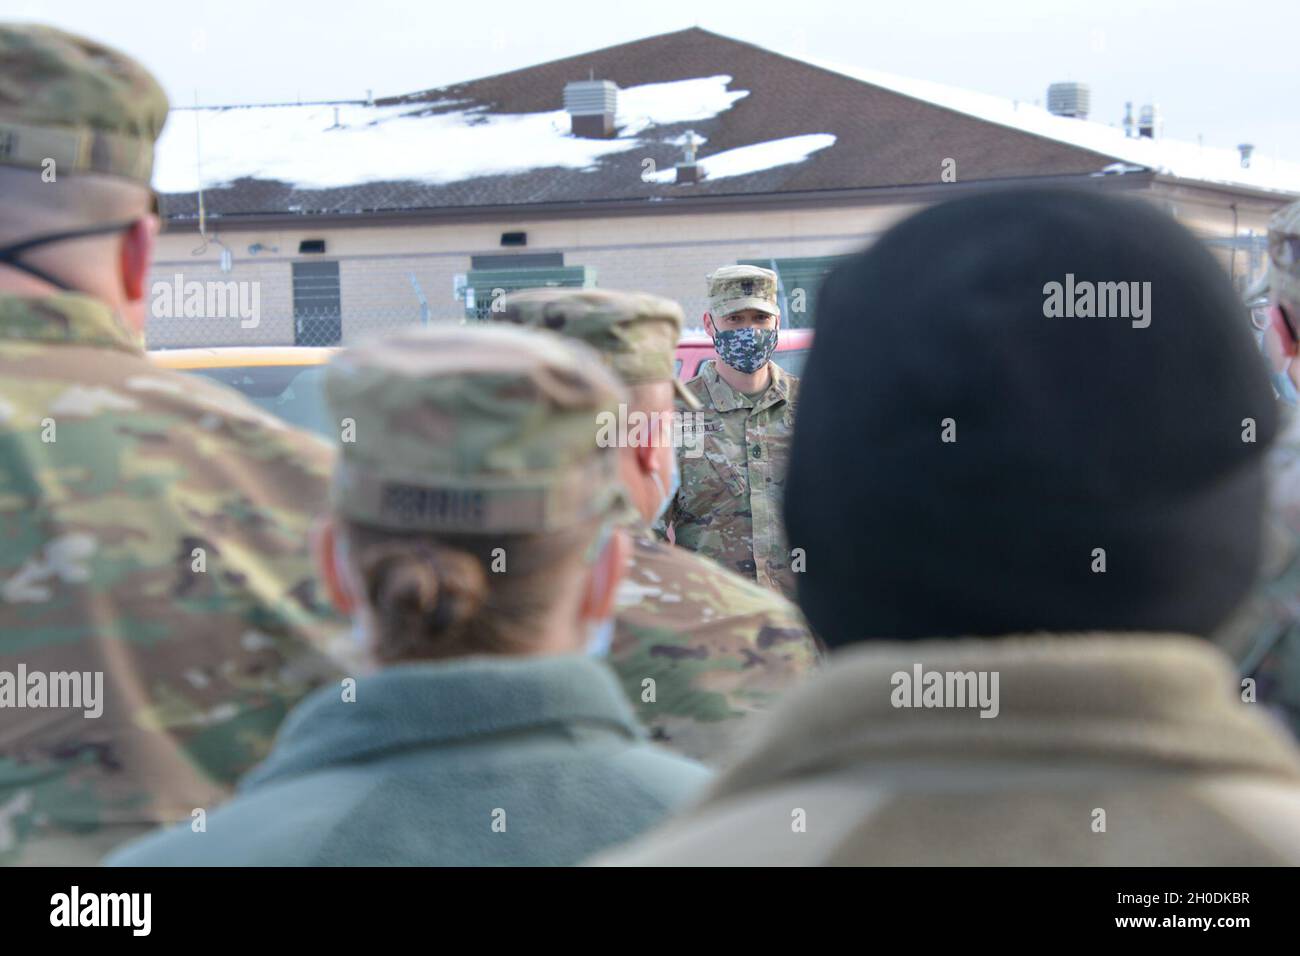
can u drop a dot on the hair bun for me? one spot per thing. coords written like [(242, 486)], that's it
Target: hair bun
[(417, 590)]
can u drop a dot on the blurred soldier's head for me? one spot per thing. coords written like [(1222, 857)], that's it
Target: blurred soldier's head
[(636, 334), (743, 318), (473, 510), (1282, 333), (1054, 420), (78, 122)]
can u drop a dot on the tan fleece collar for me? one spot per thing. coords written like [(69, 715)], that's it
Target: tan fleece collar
[(1151, 699)]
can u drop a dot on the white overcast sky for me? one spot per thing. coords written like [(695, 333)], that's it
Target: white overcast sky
[(1228, 72)]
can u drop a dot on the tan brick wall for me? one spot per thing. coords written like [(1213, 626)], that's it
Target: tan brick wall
[(668, 254), (270, 281)]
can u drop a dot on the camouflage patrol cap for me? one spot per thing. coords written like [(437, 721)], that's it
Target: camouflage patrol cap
[(635, 332), (732, 288), (1284, 254), (88, 107), (473, 429)]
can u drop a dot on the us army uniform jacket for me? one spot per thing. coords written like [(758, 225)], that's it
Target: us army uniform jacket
[(153, 552), (733, 457)]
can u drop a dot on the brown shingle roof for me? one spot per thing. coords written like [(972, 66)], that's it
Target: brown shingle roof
[(883, 138)]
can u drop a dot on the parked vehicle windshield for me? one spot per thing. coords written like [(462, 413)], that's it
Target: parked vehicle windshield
[(293, 392)]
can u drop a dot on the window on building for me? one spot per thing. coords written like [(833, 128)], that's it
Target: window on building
[(518, 260), (317, 311), (798, 283), (485, 286)]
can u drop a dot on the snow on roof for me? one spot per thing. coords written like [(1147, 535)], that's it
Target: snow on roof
[(1174, 157), (303, 146), (679, 101), (754, 157)]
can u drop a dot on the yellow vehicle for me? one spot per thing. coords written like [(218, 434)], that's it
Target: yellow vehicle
[(283, 380), (286, 380)]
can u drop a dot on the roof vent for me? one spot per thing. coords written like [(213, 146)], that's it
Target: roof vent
[(1149, 121), (1069, 99), (1245, 149), (592, 105), (688, 171)]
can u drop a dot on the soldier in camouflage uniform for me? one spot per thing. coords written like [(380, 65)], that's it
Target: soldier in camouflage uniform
[(1264, 636), (153, 526), (475, 537), (717, 647), (729, 505)]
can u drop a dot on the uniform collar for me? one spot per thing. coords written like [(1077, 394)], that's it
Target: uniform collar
[(724, 398), (431, 704), (1158, 701), (67, 317)]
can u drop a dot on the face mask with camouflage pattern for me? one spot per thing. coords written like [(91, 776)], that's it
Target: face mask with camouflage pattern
[(746, 350)]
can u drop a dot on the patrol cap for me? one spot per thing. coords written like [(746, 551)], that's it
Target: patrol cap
[(732, 288), (1284, 254), (86, 106), (473, 429), (635, 332)]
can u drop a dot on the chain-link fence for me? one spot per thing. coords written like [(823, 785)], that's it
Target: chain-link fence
[(310, 301)]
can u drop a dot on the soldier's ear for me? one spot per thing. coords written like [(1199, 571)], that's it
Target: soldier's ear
[(326, 546), (136, 256), (708, 324), (645, 457)]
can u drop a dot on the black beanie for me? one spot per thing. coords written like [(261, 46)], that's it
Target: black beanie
[(1081, 442)]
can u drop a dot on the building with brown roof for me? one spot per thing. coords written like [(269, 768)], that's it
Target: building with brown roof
[(348, 217)]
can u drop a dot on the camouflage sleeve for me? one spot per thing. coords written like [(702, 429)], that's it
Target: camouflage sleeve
[(698, 649), (154, 532)]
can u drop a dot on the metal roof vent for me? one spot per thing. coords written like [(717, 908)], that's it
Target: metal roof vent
[(1149, 121), (592, 105), (1069, 99), (688, 171)]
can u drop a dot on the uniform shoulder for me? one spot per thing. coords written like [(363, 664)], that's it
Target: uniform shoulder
[(220, 410), (728, 593), (120, 386), (698, 386), (742, 829), (257, 829), (667, 777)]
